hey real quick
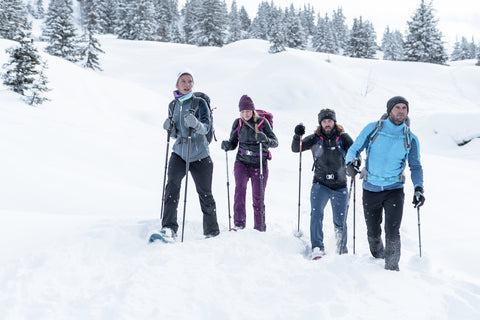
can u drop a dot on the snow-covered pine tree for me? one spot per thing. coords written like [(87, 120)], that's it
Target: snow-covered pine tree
[(277, 37), (295, 36), (340, 28), (461, 50), (307, 19), (361, 43), (164, 17), (392, 45), (12, 16), (60, 32), (234, 24), (92, 45), (424, 41), (245, 22), (24, 70), (107, 15), (211, 27), (39, 9), (478, 59), (190, 15), (324, 39), (473, 49), (261, 24)]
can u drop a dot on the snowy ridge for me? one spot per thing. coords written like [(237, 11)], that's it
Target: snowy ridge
[(81, 183)]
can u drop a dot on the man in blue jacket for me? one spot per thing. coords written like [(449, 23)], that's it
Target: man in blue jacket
[(389, 146)]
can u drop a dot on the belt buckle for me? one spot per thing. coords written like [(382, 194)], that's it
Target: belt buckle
[(330, 176), (249, 153)]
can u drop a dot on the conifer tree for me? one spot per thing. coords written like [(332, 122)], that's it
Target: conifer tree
[(340, 29), (295, 36), (92, 45), (190, 16), (392, 45), (245, 22), (60, 32), (39, 10), (166, 17), (261, 24), (107, 15), (25, 68), (307, 19), (424, 41), (277, 39), (234, 24), (12, 16), (211, 27), (361, 43), (324, 39)]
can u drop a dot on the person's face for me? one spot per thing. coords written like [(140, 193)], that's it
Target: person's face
[(399, 113), (185, 84), (246, 114), (327, 125)]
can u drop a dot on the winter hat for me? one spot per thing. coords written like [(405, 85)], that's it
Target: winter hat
[(182, 72), (326, 114), (394, 101), (246, 103)]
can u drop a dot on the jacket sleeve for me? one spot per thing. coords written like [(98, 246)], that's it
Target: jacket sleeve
[(234, 135), (346, 141), (416, 170), (360, 143), (203, 117), (272, 138), (307, 143)]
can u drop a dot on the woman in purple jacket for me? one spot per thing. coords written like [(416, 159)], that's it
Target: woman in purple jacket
[(248, 132)]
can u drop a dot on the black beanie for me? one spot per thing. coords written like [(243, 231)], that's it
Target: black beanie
[(326, 114), (394, 101)]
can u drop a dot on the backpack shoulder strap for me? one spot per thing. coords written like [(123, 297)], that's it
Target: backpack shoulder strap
[(171, 107)]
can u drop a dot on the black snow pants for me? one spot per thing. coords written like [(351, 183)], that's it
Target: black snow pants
[(201, 172), (390, 201)]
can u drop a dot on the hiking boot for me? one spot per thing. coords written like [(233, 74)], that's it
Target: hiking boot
[(317, 253), (239, 227), (168, 233), (212, 234), (392, 267)]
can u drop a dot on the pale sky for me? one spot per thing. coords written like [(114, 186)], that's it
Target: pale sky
[(456, 18)]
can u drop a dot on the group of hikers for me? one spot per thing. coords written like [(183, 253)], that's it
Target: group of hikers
[(388, 142)]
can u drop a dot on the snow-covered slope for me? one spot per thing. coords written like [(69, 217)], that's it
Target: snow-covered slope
[(81, 179)]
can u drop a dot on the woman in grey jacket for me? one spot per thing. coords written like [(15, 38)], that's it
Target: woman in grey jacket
[(179, 123)]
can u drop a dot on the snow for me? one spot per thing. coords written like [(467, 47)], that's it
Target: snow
[(81, 180)]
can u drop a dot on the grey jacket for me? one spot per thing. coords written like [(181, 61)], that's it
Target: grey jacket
[(199, 147)]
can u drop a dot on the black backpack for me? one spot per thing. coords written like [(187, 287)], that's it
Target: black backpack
[(210, 135)]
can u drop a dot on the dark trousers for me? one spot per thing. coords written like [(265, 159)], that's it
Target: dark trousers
[(242, 175), (391, 202), (201, 172)]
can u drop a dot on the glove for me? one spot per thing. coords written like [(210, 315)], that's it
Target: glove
[(191, 121), (300, 129), (261, 137), (226, 145), (168, 124), (418, 197), (353, 167)]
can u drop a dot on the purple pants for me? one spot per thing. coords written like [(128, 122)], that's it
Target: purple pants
[(242, 175)]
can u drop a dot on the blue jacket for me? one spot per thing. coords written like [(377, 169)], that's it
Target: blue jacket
[(386, 158)]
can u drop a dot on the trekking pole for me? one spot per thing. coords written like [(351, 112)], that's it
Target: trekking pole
[(228, 196), (299, 234), (165, 174), (419, 237), (187, 168), (262, 211), (354, 200), (345, 217)]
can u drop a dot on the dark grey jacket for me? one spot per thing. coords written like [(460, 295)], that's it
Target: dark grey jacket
[(248, 147)]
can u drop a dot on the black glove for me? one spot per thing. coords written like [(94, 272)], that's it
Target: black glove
[(226, 145), (300, 129), (261, 137), (418, 197), (169, 125), (353, 167)]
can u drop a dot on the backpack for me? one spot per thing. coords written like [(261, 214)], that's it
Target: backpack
[(210, 135)]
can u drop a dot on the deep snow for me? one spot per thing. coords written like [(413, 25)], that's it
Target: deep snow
[(81, 180)]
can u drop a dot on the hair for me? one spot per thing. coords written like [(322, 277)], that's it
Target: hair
[(338, 127), (255, 117)]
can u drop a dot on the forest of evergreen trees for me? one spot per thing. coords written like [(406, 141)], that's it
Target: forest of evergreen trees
[(211, 23)]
